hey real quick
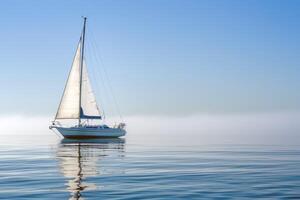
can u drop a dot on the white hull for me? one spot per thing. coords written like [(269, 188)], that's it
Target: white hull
[(84, 132)]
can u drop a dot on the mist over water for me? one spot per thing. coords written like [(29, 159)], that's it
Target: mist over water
[(209, 91), (204, 156)]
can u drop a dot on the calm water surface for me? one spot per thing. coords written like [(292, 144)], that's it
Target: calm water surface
[(146, 167)]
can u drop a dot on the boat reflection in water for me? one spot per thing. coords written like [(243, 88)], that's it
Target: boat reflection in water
[(80, 159)]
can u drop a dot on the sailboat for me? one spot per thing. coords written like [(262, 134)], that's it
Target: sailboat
[(78, 102)]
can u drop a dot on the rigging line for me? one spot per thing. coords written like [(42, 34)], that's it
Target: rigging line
[(97, 85), (109, 85), (97, 74), (102, 76), (114, 110)]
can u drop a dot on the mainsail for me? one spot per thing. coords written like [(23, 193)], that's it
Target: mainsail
[(69, 104), (78, 100)]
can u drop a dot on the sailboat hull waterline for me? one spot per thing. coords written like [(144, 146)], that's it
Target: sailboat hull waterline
[(79, 103), (93, 132)]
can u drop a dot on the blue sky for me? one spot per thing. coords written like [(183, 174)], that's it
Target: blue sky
[(162, 57)]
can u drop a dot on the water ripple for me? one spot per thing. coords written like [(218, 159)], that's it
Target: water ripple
[(112, 169)]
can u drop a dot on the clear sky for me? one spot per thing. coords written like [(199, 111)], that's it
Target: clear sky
[(162, 57)]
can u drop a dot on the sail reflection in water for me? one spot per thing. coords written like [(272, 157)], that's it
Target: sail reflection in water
[(81, 159)]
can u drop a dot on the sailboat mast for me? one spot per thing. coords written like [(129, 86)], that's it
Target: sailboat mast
[(81, 66)]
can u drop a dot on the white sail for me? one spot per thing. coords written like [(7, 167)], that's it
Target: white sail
[(88, 100), (69, 104), (78, 102)]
